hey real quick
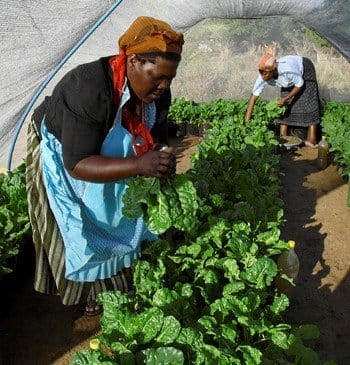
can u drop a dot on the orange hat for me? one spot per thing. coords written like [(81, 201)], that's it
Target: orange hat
[(146, 35), (268, 61)]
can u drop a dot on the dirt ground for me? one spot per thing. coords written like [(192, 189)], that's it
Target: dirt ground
[(37, 330)]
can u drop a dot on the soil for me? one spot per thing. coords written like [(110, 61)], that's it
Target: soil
[(36, 329)]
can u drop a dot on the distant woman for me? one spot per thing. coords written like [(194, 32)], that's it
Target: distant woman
[(99, 128), (296, 77)]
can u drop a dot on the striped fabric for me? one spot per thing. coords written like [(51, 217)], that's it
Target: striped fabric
[(305, 108), (48, 244)]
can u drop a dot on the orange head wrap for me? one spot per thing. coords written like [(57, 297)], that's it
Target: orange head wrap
[(268, 61), (147, 35)]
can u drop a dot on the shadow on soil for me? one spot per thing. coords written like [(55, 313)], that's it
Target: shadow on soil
[(312, 301), (36, 328)]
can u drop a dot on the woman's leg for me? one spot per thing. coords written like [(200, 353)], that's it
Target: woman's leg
[(283, 129), (312, 134)]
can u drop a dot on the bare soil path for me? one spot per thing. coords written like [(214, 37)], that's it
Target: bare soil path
[(37, 330)]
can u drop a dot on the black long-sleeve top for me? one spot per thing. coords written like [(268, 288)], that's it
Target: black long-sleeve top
[(81, 110)]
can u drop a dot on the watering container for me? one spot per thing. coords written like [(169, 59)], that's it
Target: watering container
[(288, 264), (322, 154)]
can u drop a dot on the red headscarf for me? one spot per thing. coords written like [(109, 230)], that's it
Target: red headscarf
[(145, 35)]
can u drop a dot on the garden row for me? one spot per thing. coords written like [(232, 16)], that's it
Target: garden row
[(204, 292), (192, 118)]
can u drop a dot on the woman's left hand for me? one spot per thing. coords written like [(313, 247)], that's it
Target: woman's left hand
[(282, 101)]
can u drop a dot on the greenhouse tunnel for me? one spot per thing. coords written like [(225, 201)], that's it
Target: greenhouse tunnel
[(37, 38)]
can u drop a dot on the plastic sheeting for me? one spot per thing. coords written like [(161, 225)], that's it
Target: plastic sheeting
[(36, 35)]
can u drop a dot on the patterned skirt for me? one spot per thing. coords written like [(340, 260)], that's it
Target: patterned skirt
[(48, 243), (305, 108)]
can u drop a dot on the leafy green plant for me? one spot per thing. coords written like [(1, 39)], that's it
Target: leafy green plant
[(165, 203), (205, 294), (14, 219), (182, 111), (335, 124)]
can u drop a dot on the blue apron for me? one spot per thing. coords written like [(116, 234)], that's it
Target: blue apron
[(99, 241)]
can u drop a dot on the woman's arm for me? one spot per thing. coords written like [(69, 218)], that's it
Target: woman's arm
[(252, 100), (108, 169), (292, 93)]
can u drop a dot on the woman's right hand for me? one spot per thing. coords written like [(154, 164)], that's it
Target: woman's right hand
[(157, 163)]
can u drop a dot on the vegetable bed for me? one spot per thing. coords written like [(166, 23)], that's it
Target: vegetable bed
[(204, 292)]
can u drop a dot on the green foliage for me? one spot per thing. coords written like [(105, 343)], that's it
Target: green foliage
[(240, 34), (336, 126), (182, 111), (317, 39), (163, 203), (206, 294), (14, 220)]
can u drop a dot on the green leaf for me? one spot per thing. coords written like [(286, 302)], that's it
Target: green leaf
[(280, 339), (280, 304), (170, 330), (233, 287), (164, 296), (190, 336), (262, 273), (164, 356), (251, 355), (150, 323), (307, 332)]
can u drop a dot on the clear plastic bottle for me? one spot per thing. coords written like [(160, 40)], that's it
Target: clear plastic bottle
[(322, 155), (288, 264)]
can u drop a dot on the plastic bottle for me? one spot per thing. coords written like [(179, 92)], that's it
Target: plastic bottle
[(288, 263), (322, 155)]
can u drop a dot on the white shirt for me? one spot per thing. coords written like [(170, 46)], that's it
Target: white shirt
[(290, 73)]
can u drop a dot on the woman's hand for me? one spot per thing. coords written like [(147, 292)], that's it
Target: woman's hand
[(290, 96), (282, 101), (157, 163)]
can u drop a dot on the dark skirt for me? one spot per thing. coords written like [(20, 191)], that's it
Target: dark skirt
[(49, 248), (305, 108)]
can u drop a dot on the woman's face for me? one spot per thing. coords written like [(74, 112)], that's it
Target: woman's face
[(149, 79), (266, 74)]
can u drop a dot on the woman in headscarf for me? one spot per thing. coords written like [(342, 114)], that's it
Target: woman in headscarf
[(296, 77), (97, 129)]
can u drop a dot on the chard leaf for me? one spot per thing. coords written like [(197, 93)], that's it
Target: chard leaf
[(187, 196), (307, 332), (209, 354), (149, 323), (208, 323), (190, 336), (163, 355), (232, 288), (280, 339), (89, 357), (137, 195), (262, 273), (192, 250), (231, 269), (251, 355), (185, 289), (208, 276), (164, 296), (124, 355), (229, 333), (158, 218), (148, 278), (280, 304), (170, 330)]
